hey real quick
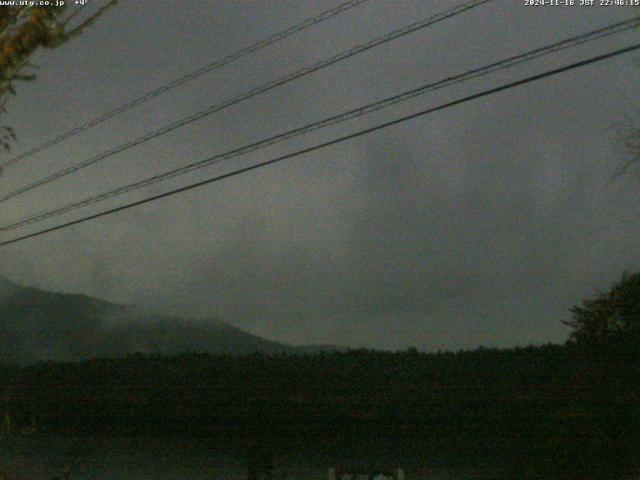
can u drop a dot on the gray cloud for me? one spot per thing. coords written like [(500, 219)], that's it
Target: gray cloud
[(481, 224)]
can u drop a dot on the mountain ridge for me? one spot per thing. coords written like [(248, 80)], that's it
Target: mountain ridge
[(39, 325)]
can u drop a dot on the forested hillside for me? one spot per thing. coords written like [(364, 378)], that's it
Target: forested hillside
[(39, 325)]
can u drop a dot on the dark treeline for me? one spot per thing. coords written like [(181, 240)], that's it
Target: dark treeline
[(551, 410)]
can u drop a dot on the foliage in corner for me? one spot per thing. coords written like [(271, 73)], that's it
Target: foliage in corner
[(25, 29)]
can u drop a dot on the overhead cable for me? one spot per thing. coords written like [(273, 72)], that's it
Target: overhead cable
[(248, 94), (335, 119), (334, 141), (265, 42)]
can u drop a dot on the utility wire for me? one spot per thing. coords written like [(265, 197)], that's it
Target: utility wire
[(249, 94), (485, 93), (345, 116), (277, 37)]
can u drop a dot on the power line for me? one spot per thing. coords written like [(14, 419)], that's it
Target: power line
[(335, 141), (251, 93), (265, 42), (336, 119)]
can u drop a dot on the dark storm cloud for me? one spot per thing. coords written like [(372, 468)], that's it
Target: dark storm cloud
[(481, 224)]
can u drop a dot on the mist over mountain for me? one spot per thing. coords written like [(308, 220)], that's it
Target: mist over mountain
[(40, 325)]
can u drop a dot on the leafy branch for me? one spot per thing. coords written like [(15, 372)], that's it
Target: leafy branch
[(25, 29)]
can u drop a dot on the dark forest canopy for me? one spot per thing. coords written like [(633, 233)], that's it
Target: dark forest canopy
[(515, 405)]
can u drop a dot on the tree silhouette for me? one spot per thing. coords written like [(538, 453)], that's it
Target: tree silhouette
[(612, 316), (601, 436)]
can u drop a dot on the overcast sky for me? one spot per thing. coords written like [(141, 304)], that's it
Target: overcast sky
[(479, 225)]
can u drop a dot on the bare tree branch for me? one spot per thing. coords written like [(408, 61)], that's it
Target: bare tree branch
[(89, 21)]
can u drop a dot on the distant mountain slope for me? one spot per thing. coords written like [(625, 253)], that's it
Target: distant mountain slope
[(39, 325)]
